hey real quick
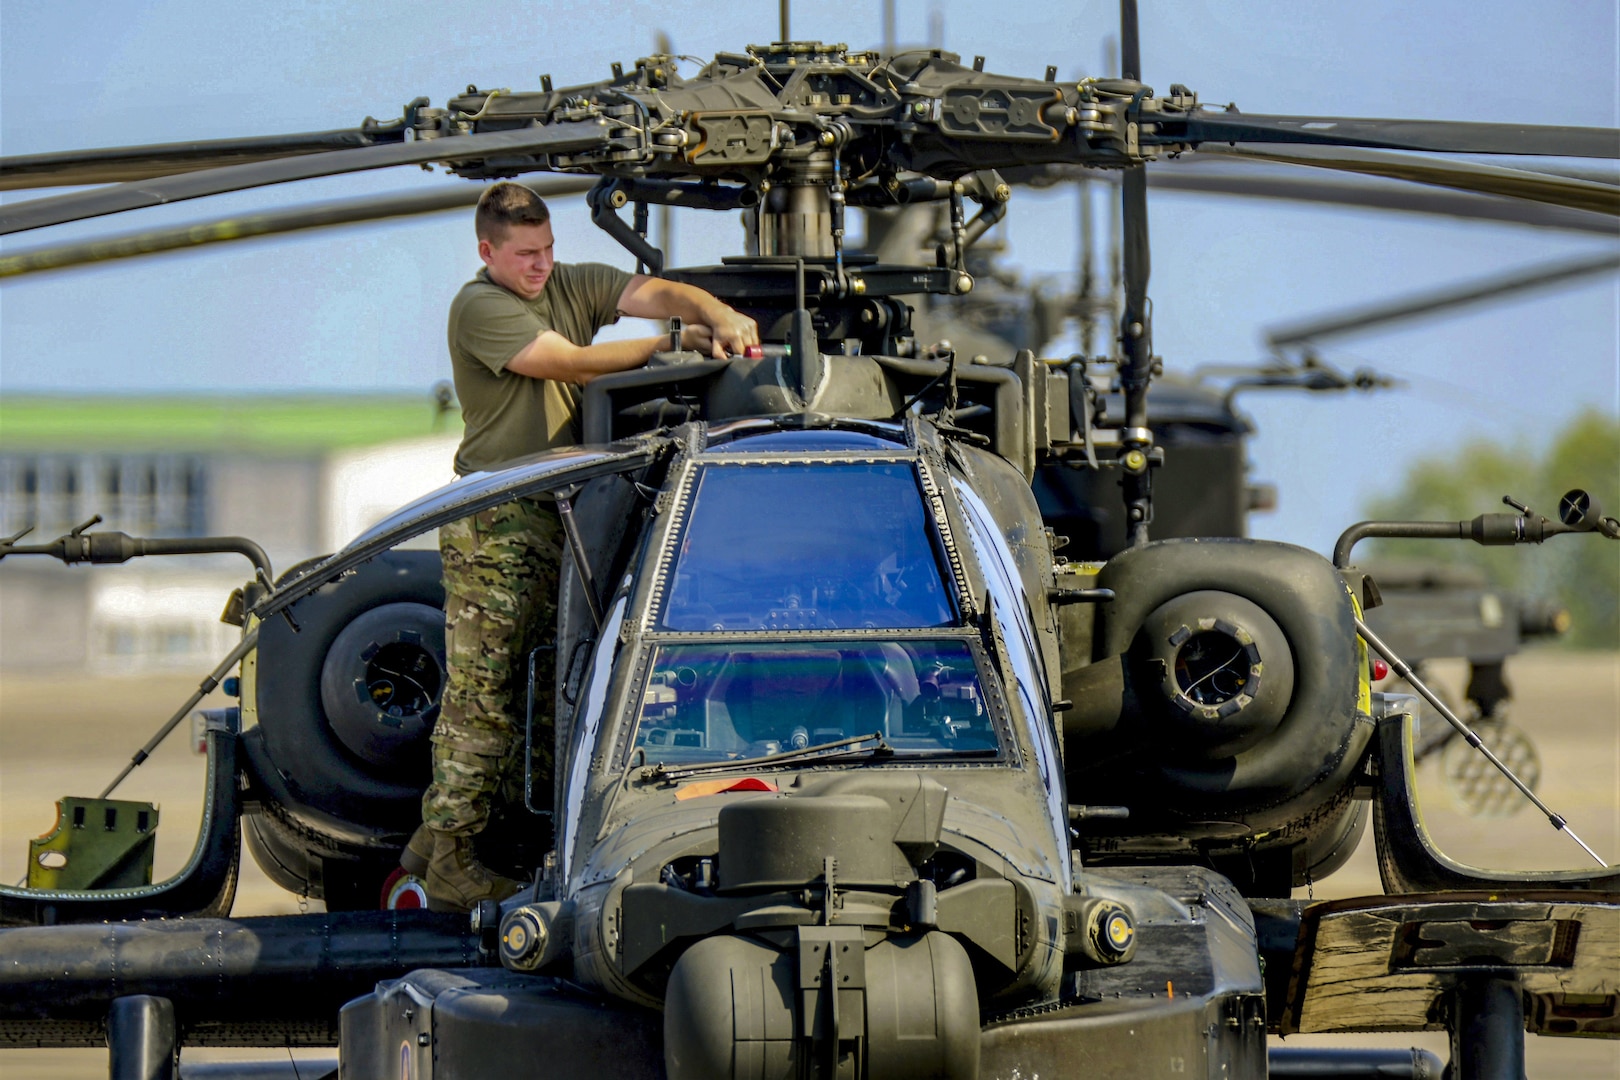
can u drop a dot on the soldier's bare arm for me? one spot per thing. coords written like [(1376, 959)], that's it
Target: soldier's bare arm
[(552, 356), (655, 298)]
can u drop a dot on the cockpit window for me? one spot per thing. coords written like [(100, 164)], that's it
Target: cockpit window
[(713, 701), (830, 545), (817, 441)]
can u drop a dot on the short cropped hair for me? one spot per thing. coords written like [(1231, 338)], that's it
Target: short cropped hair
[(506, 204)]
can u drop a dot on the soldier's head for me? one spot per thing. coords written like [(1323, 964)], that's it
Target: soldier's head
[(514, 238)]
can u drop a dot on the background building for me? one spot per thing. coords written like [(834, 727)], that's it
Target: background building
[(301, 476)]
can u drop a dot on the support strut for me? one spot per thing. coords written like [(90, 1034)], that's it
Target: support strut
[(142, 1041), (1487, 1028)]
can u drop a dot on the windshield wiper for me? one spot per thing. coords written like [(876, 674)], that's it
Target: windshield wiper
[(839, 748)]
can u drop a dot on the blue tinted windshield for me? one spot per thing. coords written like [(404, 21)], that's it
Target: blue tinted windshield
[(711, 701), (775, 442), (829, 545)]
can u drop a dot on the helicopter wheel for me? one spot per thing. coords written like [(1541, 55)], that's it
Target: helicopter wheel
[(306, 864)]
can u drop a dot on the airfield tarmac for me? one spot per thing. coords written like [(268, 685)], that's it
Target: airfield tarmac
[(69, 736)]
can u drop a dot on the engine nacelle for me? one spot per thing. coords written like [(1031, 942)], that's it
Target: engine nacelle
[(345, 706), (1222, 710)]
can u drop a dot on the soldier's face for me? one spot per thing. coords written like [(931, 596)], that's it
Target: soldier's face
[(522, 262)]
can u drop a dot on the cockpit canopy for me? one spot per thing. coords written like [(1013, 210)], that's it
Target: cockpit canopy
[(713, 700), (799, 546), (806, 598)]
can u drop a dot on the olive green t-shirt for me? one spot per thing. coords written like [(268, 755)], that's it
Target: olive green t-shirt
[(508, 415)]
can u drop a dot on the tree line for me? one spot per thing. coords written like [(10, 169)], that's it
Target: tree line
[(1580, 572)]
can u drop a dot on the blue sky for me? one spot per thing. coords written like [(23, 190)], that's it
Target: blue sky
[(364, 308)]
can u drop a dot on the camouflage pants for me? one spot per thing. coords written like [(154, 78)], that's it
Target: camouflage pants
[(501, 571)]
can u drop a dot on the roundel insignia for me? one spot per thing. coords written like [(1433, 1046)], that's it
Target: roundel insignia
[(403, 892)]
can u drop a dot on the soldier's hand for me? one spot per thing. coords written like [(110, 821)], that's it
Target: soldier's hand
[(732, 331), (697, 337)]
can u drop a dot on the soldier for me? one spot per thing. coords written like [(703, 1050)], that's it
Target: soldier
[(520, 344)]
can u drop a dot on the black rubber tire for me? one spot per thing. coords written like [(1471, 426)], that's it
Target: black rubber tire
[(345, 879), (284, 861), (317, 772)]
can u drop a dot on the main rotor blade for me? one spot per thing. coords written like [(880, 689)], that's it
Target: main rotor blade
[(550, 139), (1359, 319), (121, 164), (1136, 319), (1215, 174), (1460, 175), (1430, 136), (295, 219), (1376, 194), (1130, 41), (1229, 178)]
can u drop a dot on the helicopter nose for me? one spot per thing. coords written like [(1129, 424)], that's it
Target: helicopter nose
[(714, 1016)]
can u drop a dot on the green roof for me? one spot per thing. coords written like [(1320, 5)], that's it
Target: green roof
[(277, 425)]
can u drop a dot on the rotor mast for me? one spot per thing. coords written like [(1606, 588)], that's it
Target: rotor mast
[(795, 214)]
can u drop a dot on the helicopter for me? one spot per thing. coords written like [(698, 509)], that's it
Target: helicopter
[(927, 897), (1430, 610)]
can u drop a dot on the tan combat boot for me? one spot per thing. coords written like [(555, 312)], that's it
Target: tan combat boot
[(418, 852), (456, 880)]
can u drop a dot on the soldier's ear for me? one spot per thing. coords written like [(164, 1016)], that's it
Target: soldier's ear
[(486, 251)]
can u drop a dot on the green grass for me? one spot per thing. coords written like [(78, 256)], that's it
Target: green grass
[(282, 425)]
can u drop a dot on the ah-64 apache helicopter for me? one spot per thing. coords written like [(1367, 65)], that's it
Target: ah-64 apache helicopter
[(856, 775)]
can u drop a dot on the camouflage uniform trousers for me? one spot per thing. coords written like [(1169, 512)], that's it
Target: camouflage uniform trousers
[(501, 572)]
